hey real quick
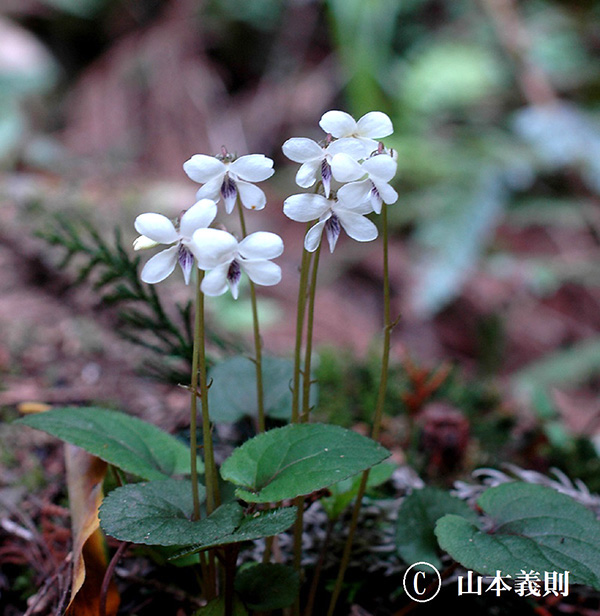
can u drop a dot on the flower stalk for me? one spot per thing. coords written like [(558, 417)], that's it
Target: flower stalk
[(376, 428), (300, 311), (310, 317), (257, 340), (199, 385), (194, 399)]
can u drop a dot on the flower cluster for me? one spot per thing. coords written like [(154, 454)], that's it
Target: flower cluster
[(362, 168), (350, 169), (215, 251)]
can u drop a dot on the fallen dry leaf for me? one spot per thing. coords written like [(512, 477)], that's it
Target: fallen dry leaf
[(85, 474)]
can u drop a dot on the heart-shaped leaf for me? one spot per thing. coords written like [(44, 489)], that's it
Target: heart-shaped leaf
[(298, 459), (154, 513), (418, 513), (255, 526), (160, 513), (267, 586), (126, 442), (533, 527)]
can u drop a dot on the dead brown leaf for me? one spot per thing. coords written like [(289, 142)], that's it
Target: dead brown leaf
[(85, 474)]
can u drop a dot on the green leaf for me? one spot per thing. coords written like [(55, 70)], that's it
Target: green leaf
[(127, 442), (232, 394), (532, 528), (216, 607), (298, 459), (418, 513), (160, 512), (267, 586), (344, 492), (251, 527)]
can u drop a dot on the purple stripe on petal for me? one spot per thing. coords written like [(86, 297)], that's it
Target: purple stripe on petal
[(186, 262), (375, 198), (326, 175), (332, 229), (233, 277), (229, 192)]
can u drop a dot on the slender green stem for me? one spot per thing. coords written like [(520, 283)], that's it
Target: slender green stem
[(314, 586), (309, 308), (300, 310), (376, 428), (257, 340), (387, 331), (194, 397), (210, 469), (309, 336), (298, 527), (199, 369), (230, 558), (199, 383)]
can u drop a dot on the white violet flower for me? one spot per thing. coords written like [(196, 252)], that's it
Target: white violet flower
[(372, 126), (333, 213), (226, 258), (316, 158), (226, 176), (378, 169), (158, 229)]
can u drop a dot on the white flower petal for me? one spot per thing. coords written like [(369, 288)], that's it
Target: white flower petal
[(376, 201), (143, 243), (302, 149), (251, 196), (199, 216), (357, 226), (252, 168), (375, 125), (345, 168), (210, 190), (262, 272), (234, 288), (313, 236), (305, 207), (307, 174), (160, 266), (381, 166), (215, 282), (260, 245), (202, 168), (186, 262), (353, 196), (348, 145), (229, 192), (386, 192), (156, 227), (212, 247), (338, 123)]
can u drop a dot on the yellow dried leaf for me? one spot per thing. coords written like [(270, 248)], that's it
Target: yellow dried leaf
[(28, 408)]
